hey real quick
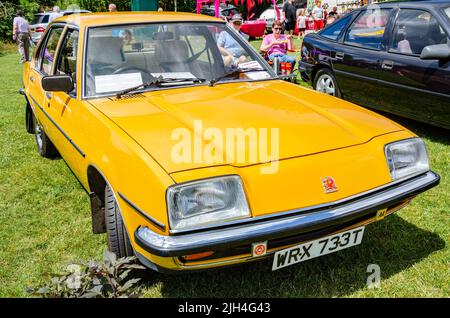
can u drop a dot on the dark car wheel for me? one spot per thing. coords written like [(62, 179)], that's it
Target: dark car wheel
[(325, 82), (44, 145), (118, 240), (29, 121)]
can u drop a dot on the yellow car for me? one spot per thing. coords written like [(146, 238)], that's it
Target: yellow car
[(196, 155)]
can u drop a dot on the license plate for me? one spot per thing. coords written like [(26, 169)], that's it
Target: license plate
[(316, 248)]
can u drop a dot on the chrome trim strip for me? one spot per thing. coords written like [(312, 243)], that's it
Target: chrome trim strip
[(141, 212), (292, 212), (59, 128), (179, 245)]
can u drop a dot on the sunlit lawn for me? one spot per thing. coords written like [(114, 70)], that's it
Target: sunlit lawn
[(45, 224)]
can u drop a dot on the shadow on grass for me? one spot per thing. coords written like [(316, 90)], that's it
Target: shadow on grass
[(393, 244), (436, 134)]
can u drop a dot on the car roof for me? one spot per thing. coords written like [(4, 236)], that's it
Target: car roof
[(111, 18), (64, 11)]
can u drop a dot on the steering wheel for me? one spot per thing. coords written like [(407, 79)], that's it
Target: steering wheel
[(130, 67), (196, 56)]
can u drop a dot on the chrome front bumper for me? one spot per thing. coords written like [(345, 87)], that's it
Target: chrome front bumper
[(285, 224)]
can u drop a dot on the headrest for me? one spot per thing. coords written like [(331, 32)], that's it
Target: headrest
[(166, 35), (414, 28), (172, 51), (435, 34), (105, 50), (416, 34)]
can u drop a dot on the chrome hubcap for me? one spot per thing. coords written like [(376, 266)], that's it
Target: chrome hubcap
[(325, 85), (38, 132)]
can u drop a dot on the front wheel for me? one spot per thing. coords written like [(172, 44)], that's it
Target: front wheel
[(118, 240), (325, 82)]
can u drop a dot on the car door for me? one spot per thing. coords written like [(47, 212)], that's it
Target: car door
[(356, 59), (64, 108), (42, 66), (410, 86)]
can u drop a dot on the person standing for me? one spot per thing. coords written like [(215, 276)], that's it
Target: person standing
[(317, 13), (112, 7), (334, 12), (22, 35), (325, 14), (56, 13), (290, 17), (332, 16), (301, 23)]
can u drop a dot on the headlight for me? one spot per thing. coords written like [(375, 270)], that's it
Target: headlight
[(205, 202), (407, 158)]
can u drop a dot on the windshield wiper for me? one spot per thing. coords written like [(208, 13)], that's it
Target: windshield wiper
[(159, 81), (235, 73)]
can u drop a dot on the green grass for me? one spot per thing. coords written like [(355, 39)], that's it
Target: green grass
[(45, 224)]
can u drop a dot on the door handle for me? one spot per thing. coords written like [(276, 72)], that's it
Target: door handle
[(387, 65), (31, 79), (339, 55), (49, 95)]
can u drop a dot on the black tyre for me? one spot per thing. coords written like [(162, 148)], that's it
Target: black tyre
[(29, 122), (44, 145), (325, 82), (118, 240)]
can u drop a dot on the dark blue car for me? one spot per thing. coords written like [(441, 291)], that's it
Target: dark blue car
[(393, 56)]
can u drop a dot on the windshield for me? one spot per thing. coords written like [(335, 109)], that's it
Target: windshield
[(447, 11), (120, 57)]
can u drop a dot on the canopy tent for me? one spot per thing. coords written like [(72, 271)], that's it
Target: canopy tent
[(250, 5)]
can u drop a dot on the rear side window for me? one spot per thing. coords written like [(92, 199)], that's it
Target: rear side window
[(45, 19), (368, 29), (415, 29), (334, 30)]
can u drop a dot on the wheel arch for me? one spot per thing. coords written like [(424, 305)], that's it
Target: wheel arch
[(97, 183), (317, 68), (29, 125), (328, 67)]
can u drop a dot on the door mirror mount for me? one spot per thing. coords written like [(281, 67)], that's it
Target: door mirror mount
[(58, 83), (435, 52)]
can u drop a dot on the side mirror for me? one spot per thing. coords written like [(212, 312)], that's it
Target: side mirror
[(435, 52), (57, 83)]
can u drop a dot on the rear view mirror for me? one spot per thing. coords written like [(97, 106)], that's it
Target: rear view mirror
[(436, 52), (57, 83)]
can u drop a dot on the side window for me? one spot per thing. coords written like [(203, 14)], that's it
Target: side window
[(415, 29), (49, 51), (368, 29), (334, 30), (67, 58)]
